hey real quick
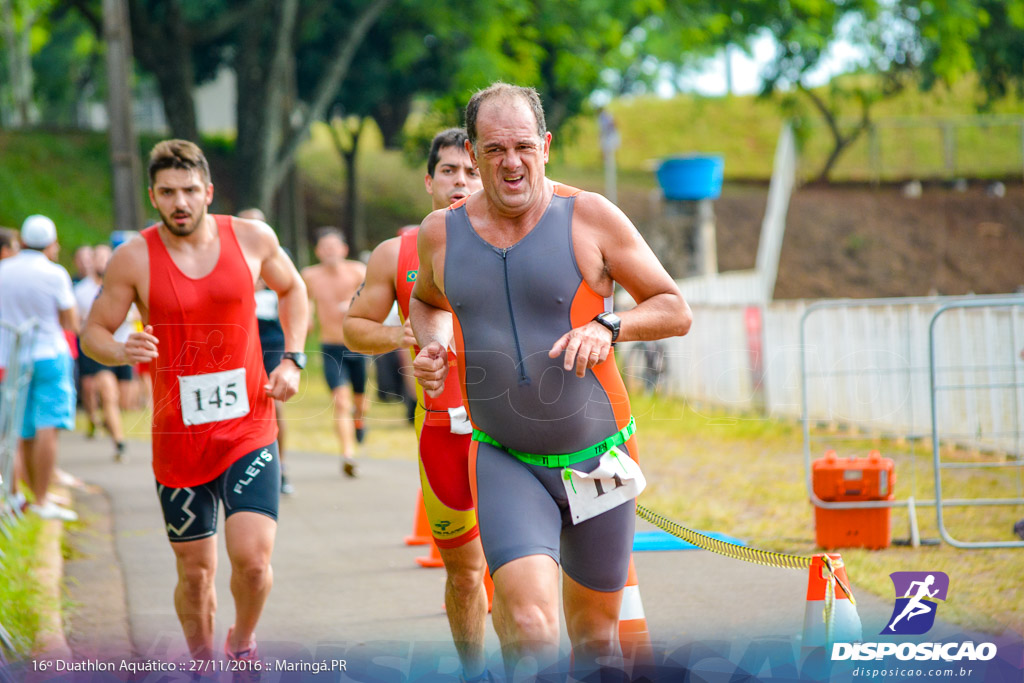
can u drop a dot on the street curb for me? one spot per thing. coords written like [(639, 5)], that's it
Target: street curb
[(51, 643)]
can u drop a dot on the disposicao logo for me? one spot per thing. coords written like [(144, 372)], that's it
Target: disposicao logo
[(912, 615), (916, 596)]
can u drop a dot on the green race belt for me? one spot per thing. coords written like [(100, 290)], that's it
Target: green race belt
[(617, 439)]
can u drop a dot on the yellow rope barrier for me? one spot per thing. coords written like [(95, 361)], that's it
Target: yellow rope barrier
[(738, 552)]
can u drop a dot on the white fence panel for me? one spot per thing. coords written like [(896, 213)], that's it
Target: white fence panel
[(864, 363), (711, 364), (979, 373)]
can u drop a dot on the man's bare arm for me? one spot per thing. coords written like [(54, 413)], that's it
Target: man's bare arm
[(364, 326), (612, 250), (280, 275), (120, 290), (428, 308), (661, 310), (69, 320), (308, 278)]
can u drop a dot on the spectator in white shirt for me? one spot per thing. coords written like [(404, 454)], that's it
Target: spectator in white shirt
[(34, 288)]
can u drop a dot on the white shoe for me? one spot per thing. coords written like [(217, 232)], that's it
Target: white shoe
[(49, 510)]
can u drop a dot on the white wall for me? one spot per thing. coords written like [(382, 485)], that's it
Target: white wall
[(866, 363)]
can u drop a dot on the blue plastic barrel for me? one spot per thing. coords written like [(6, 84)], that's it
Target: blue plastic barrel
[(691, 177)]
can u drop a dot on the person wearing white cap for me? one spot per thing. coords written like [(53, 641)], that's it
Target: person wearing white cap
[(33, 286)]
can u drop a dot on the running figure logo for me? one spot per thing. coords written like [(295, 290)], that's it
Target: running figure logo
[(914, 612)]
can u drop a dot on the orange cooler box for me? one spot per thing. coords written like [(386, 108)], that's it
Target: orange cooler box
[(852, 479)]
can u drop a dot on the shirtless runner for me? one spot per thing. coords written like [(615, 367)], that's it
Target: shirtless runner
[(332, 283)]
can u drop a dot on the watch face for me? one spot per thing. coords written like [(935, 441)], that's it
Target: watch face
[(296, 357), (611, 321)]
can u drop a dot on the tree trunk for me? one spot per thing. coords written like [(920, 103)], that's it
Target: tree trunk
[(390, 118), (124, 146), (164, 47), (291, 219), (175, 82), (262, 85), (355, 227), (352, 222), (327, 89), (840, 141), (265, 151), (19, 65)]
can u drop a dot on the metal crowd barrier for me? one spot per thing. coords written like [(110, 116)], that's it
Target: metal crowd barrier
[(886, 366), (17, 375), (976, 370)]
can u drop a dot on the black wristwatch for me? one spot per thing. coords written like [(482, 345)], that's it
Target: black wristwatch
[(611, 321), (297, 357)]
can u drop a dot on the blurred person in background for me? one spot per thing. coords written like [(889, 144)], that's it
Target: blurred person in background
[(33, 286), (83, 262), (8, 242), (100, 388), (332, 283), (272, 340)]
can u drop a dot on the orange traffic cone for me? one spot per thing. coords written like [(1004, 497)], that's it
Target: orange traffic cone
[(634, 638), (843, 625), (421, 525), (433, 559)]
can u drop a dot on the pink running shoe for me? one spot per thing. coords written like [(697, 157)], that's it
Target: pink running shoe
[(245, 665)]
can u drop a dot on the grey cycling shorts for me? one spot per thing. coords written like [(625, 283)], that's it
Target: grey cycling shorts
[(523, 510)]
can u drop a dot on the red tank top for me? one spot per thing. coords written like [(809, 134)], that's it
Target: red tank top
[(405, 280), (210, 365)]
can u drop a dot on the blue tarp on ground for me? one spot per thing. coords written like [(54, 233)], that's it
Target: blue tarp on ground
[(662, 540)]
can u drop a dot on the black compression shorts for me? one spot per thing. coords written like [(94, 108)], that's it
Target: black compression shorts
[(252, 483)]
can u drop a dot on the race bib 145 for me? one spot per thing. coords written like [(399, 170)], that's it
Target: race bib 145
[(213, 397)]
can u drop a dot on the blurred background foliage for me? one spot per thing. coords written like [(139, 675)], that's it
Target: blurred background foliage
[(344, 84)]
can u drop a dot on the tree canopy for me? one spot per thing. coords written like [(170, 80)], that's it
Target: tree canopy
[(300, 61)]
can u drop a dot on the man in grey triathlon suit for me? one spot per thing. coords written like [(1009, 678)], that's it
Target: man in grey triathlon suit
[(527, 268)]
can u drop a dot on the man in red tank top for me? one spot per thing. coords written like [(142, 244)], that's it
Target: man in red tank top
[(444, 447), (192, 277)]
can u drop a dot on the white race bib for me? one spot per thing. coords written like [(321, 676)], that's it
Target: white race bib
[(616, 480), (460, 421), (213, 397)]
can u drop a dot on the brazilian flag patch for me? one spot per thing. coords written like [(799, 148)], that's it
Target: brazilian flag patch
[(410, 275)]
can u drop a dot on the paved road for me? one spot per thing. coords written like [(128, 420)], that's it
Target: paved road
[(345, 584)]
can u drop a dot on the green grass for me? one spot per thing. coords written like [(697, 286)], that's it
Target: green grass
[(743, 475), (22, 599), (65, 176), (744, 130)]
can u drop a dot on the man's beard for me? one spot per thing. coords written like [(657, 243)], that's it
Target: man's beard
[(183, 230)]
